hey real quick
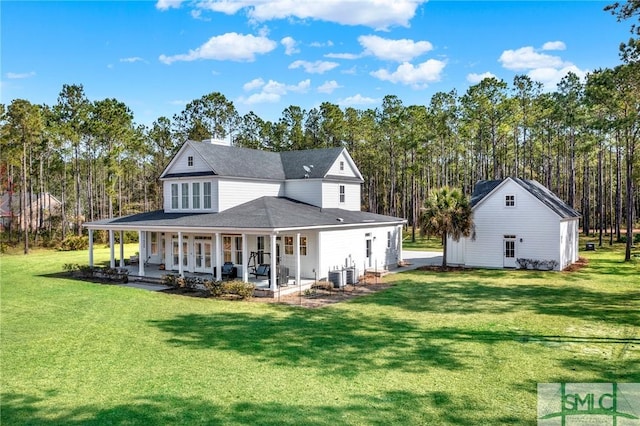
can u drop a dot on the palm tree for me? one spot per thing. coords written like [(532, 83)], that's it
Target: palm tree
[(447, 213)]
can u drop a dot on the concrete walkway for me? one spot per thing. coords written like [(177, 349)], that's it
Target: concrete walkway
[(416, 259)]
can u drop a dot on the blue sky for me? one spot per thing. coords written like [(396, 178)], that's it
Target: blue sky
[(155, 56)]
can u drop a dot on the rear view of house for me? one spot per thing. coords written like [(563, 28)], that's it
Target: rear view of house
[(296, 211), (518, 224)]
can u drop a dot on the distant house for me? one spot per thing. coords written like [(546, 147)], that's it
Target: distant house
[(48, 204), (518, 223), (297, 210)]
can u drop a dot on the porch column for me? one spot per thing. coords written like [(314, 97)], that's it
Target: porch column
[(297, 249), (218, 263), (400, 254), (122, 249), (273, 266), (245, 259), (180, 255), (90, 248), (112, 258), (141, 257)]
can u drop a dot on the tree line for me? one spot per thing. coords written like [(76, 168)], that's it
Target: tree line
[(579, 140)]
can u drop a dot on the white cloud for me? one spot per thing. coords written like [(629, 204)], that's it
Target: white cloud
[(414, 76), (477, 78), (526, 58), (230, 46), (550, 77), (168, 4), (132, 59), (328, 87), (178, 102), (540, 67), (271, 91), (402, 50), (554, 45), (254, 84), (377, 14), (19, 76), (357, 100), (319, 44), (317, 67), (342, 56), (289, 45)]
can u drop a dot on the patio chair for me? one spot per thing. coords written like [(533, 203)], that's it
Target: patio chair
[(228, 270)]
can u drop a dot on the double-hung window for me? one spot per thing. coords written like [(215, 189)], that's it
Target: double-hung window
[(196, 195), (206, 187), (303, 246), (185, 195), (342, 196), (288, 245), (174, 196)]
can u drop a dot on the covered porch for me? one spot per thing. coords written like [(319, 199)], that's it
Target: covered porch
[(206, 255), (154, 275)]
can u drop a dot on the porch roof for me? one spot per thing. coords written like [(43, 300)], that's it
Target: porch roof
[(265, 213)]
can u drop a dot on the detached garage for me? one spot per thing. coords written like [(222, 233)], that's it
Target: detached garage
[(518, 224)]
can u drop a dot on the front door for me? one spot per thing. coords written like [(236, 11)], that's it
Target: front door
[(368, 249), (202, 254), (509, 251)]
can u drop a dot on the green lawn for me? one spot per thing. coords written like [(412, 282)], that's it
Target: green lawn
[(456, 348)]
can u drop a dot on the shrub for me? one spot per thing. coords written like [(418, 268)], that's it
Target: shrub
[(214, 288), (170, 280), (74, 242), (542, 265), (239, 288)]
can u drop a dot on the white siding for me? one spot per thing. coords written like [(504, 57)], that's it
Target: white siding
[(306, 190), (232, 193), (348, 170), (347, 247), (568, 242), (455, 251), (180, 163), (534, 225), (331, 196)]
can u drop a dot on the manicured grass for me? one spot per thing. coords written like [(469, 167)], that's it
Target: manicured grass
[(436, 348), (423, 243)]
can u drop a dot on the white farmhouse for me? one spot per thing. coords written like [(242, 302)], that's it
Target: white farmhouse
[(518, 223), (296, 211)]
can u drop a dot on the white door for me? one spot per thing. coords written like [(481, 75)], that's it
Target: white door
[(368, 248), (202, 255), (175, 254), (509, 251)]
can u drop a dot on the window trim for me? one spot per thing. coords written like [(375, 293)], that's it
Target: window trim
[(288, 245), (510, 200), (303, 245), (190, 161), (175, 196), (342, 191), (195, 195)]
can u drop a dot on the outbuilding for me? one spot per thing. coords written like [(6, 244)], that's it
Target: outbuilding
[(519, 223)]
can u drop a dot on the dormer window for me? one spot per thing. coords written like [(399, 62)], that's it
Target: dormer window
[(190, 161), (509, 200), (342, 166)]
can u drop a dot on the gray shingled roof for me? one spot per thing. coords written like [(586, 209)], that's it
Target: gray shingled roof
[(535, 188), (263, 213), (253, 163)]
